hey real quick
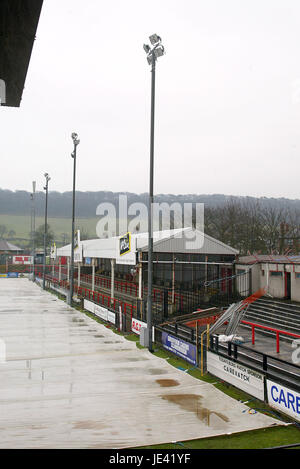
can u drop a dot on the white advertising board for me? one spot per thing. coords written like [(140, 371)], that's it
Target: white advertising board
[(136, 326), (99, 311), (236, 374), (22, 260), (284, 399), (77, 247)]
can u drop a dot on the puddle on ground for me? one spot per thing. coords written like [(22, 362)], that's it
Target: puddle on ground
[(89, 425), (192, 403), (156, 371), (98, 335), (165, 383), (111, 341)]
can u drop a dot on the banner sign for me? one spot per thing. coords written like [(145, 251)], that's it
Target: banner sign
[(284, 399), (125, 250), (125, 244), (181, 348), (53, 251), (22, 260), (99, 311), (77, 247), (236, 374), (12, 275), (136, 326)]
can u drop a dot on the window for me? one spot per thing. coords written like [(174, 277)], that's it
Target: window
[(275, 274)]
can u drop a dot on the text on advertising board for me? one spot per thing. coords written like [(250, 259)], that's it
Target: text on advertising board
[(236, 374), (181, 348), (284, 399)]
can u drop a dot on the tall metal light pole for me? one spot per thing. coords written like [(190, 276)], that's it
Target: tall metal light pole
[(157, 50), (33, 229), (45, 229), (76, 142)]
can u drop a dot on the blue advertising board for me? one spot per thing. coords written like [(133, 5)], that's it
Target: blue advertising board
[(181, 348), (13, 275), (10, 275)]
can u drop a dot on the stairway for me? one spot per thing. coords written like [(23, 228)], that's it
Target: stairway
[(276, 314)]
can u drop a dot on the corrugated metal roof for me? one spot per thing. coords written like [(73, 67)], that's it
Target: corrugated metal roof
[(269, 259), (183, 240), (6, 246)]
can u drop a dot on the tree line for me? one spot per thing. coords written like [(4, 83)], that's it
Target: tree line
[(252, 228)]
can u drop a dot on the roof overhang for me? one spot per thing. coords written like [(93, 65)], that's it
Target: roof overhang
[(18, 26)]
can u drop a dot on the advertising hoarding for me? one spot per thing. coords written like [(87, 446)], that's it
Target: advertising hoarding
[(236, 374), (99, 311), (284, 399), (181, 348)]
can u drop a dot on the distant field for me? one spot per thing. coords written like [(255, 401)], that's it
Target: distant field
[(21, 225)]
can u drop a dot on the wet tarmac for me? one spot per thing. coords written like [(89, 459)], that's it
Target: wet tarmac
[(69, 382)]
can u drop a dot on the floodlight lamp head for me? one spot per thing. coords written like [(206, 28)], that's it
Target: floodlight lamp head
[(159, 51), (146, 48), (74, 136), (154, 39)]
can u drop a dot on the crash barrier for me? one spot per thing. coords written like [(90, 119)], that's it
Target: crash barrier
[(178, 298), (277, 332), (267, 378), (103, 306)]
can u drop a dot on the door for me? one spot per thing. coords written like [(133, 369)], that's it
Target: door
[(287, 285)]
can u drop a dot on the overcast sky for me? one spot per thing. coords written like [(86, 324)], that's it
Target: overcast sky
[(227, 98)]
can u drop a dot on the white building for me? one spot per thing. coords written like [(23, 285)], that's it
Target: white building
[(279, 274)]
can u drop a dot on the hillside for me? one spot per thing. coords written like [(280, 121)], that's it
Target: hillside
[(245, 223), (60, 204)]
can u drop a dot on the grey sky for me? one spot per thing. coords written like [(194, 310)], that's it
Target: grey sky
[(228, 98)]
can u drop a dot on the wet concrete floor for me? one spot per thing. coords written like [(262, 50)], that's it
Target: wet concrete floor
[(68, 382)]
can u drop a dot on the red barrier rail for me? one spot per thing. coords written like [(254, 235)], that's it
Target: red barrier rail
[(97, 297), (272, 329)]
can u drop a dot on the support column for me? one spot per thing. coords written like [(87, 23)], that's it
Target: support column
[(140, 281), (93, 276), (68, 275), (206, 272), (79, 273), (173, 281), (112, 287)]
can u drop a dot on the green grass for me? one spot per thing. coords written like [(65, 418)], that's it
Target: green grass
[(21, 225), (254, 439)]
